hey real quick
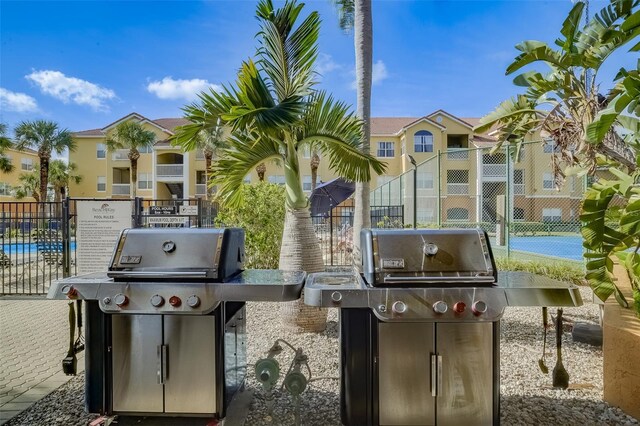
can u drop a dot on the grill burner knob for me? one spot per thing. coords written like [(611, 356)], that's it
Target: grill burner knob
[(430, 249), (336, 296), (479, 307), (440, 307), (175, 301), (459, 307), (193, 301), (399, 307), (157, 300), (121, 300)]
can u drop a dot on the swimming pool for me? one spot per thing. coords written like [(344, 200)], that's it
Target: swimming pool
[(25, 248), (565, 247)]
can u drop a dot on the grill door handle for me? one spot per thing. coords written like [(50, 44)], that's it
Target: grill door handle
[(434, 375), (433, 279), (439, 390), (167, 274), (162, 364)]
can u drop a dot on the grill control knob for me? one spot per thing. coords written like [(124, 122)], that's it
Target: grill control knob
[(479, 307), (459, 307), (399, 307), (157, 300), (69, 291), (336, 296), (121, 300), (193, 301), (440, 307), (430, 249), (175, 301)]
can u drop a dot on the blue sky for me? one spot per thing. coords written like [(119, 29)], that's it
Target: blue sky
[(85, 64)]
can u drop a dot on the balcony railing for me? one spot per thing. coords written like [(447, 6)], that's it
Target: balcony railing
[(457, 188), (201, 189), (169, 170), (494, 170), (120, 154), (120, 189), (457, 154)]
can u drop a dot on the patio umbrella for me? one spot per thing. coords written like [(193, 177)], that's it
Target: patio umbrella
[(329, 194)]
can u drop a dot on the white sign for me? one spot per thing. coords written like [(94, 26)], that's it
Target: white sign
[(167, 219), (98, 227), (189, 210)]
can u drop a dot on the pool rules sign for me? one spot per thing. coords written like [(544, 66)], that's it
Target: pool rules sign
[(98, 227)]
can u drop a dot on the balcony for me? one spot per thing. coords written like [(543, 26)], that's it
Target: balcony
[(457, 154), (457, 189), (121, 189), (169, 171), (495, 171), (120, 154), (201, 188)]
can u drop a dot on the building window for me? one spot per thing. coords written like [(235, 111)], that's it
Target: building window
[(145, 181), (518, 214), (306, 183), (425, 216), (306, 152), (386, 149), (423, 141), (457, 213), (547, 181), (27, 164), (277, 179), (425, 180), (518, 182), (550, 146), (101, 151), (5, 189), (145, 149), (102, 184), (552, 215)]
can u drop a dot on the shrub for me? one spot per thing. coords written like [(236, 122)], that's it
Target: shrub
[(262, 217), (561, 271)]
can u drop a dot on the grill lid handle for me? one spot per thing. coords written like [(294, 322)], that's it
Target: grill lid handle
[(167, 274)]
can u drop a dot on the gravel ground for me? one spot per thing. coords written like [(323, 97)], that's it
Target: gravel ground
[(526, 394)]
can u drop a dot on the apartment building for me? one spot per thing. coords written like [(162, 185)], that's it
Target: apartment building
[(23, 162), (455, 167)]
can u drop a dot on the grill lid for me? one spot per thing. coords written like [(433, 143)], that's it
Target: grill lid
[(178, 253), (427, 256)]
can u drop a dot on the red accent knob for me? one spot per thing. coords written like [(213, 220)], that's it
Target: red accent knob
[(459, 307), (175, 301), (70, 292)]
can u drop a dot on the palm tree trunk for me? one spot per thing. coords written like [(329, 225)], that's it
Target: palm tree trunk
[(314, 163), (363, 40), (300, 251), (134, 177), (261, 169), (44, 177), (207, 166)]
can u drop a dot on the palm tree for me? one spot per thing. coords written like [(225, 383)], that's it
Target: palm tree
[(130, 135), (60, 174), (314, 163), (29, 185), (274, 112), (564, 101), (45, 137), (356, 15), (5, 143)]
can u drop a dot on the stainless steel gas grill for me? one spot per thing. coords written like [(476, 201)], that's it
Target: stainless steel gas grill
[(419, 326), (165, 325)]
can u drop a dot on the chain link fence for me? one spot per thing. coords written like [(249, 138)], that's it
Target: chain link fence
[(518, 203)]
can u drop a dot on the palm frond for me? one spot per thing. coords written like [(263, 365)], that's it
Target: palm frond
[(534, 51)]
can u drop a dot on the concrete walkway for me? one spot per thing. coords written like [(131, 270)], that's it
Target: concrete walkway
[(34, 338)]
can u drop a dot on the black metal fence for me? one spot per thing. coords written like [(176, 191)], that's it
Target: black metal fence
[(334, 230)]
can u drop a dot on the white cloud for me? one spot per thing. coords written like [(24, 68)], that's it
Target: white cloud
[(378, 73), (17, 102), (72, 89), (325, 64), (168, 88)]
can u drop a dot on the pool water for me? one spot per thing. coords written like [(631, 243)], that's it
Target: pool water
[(25, 248)]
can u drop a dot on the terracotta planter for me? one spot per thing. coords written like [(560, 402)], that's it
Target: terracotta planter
[(621, 351)]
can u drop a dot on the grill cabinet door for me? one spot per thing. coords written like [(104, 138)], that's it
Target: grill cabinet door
[(135, 341), (404, 374), (466, 396), (190, 385)]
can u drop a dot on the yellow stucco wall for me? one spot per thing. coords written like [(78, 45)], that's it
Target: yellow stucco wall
[(11, 180)]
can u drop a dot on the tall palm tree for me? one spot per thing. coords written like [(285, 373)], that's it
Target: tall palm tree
[(356, 15), (60, 174), (5, 143), (314, 163), (564, 101), (261, 169), (132, 136), (274, 112), (45, 137)]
